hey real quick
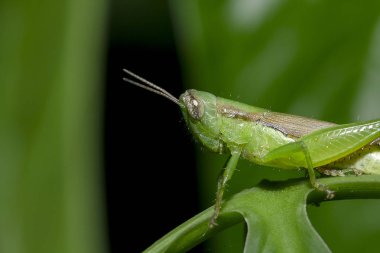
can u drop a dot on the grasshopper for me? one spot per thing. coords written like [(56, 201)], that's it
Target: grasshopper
[(274, 139)]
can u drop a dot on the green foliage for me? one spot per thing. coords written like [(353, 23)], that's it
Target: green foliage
[(313, 58), (275, 215), (49, 86)]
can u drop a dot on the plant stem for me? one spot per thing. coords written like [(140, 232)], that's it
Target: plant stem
[(195, 230)]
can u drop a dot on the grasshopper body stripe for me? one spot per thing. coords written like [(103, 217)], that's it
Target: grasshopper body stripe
[(290, 125)]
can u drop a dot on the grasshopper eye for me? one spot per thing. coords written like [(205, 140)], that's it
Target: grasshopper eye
[(195, 108)]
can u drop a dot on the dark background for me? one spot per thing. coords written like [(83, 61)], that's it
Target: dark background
[(153, 189)]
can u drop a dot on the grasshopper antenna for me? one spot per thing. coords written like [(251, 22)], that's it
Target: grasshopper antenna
[(145, 84)]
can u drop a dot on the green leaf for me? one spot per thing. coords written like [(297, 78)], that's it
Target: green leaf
[(275, 215)]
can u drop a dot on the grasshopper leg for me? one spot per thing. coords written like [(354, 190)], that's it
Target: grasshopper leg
[(318, 186), (299, 147), (224, 176), (323, 147)]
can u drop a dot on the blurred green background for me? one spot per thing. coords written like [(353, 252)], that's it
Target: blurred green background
[(86, 160), (52, 65)]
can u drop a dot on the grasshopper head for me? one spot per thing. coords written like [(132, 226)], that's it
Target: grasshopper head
[(199, 110)]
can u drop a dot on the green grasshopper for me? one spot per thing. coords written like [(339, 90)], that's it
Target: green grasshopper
[(274, 139)]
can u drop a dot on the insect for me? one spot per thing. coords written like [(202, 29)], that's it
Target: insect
[(274, 139)]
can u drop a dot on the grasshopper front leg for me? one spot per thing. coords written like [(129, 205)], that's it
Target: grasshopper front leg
[(224, 177)]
